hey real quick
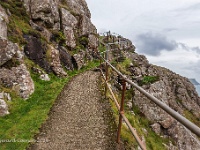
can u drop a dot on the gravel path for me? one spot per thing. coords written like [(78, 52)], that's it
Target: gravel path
[(79, 120)]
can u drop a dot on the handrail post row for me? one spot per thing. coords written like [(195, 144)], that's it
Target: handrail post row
[(191, 126), (106, 69), (121, 110)]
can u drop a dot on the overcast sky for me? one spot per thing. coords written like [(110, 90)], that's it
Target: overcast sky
[(167, 32)]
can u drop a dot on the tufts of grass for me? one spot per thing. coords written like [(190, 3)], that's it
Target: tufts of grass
[(190, 116), (26, 117), (148, 80), (59, 37), (123, 66)]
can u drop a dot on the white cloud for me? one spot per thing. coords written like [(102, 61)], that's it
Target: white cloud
[(182, 61), (175, 19)]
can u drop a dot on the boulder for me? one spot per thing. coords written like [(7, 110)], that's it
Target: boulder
[(3, 23), (19, 79), (7, 50), (68, 19), (45, 13), (24, 85), (93, 42), (80, 59)]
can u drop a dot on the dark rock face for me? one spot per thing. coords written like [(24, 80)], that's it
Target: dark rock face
[(66, 59), (36, 51)]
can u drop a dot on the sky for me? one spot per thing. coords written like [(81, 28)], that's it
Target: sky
[(167, 32)]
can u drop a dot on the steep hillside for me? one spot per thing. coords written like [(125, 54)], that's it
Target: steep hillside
[(56, 35), (172, 89), (43, 44)]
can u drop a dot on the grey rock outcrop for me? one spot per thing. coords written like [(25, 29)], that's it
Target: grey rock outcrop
[(93, 41), (55, 62), (45, 13), (25, 85), (3, 23), (78, 7), (80, 59), (18, 76), (69, 23), (52, 25), (69, 34), (173, 90), (86, 26), (7, 50), (68, 19), (5, 96), (19, 79)]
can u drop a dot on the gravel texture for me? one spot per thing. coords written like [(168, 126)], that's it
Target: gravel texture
[(79, 120)]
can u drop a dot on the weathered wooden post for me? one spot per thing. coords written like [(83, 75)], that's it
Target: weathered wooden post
[(121, 110)]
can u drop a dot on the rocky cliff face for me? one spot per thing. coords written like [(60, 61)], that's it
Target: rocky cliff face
[(172, 89), (54, 34), (175, 91)]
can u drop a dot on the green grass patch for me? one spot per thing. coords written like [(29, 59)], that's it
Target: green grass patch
[(148, 80), (26, 117), (123, 66)]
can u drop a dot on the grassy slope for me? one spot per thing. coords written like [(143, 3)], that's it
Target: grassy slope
[(26, 117)]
